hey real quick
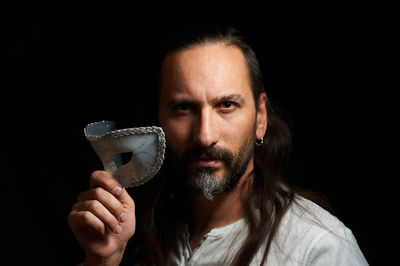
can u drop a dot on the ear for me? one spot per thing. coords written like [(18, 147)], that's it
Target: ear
[(262, 119)]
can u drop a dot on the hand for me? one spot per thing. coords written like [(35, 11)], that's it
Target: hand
[(103, 220)]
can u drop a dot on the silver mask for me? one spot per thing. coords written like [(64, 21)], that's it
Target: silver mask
[(143, 146)]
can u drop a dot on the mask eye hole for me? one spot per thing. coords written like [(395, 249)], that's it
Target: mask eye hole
[(121, 158)]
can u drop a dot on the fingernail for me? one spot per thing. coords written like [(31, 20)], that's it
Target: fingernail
[(123, 217), (118, 229), (117, 190)]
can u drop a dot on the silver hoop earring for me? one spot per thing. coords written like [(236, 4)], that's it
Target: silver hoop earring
[(260, 141)]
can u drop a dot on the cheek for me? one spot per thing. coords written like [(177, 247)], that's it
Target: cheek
[(238, 131), (238, 123), (177, 135)]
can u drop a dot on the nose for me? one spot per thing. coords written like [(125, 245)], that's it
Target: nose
[(205, 130)]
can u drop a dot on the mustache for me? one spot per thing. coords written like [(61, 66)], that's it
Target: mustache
[(213, 152)]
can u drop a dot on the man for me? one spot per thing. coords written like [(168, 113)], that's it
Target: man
[(220, 198)]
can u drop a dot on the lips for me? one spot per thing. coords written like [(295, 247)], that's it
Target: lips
[(206, 162), (210, 157)]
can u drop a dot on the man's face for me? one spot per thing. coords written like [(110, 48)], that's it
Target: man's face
[(208, 114)]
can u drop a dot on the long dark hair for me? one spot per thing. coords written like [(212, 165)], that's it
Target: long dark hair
[(161, 207)]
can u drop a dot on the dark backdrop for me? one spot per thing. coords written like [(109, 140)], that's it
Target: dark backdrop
[(69, 64)]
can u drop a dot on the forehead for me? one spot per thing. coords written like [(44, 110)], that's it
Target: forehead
[(211, 68)]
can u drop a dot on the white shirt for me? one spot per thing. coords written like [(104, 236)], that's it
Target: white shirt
[(308, 235)]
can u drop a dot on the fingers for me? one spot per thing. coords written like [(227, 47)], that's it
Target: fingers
[(81, 220), (106, 205), (99, 196), (86, 209), (108, 182), (103, 218)]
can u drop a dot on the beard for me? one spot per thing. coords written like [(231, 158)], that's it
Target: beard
[(205, 180)]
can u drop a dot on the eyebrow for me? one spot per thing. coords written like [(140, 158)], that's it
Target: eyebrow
[(229, 98), (181, 100), (226, 98)]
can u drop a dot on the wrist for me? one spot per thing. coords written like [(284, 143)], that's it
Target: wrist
[(93, 260)]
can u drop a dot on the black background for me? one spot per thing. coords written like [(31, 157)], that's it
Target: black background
[(67, 64)]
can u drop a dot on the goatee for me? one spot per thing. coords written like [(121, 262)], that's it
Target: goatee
[(204, 180)]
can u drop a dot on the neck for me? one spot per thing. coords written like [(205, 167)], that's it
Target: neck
[(224, 209)]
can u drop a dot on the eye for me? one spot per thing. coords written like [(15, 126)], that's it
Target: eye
[(228, 106), (182, 107)]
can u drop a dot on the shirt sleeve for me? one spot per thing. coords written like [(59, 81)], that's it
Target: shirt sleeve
[(336, 248)]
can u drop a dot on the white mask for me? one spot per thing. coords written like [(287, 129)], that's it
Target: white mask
[(145, 146)]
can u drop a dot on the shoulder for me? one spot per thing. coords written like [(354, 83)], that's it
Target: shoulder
[(311, 235)]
